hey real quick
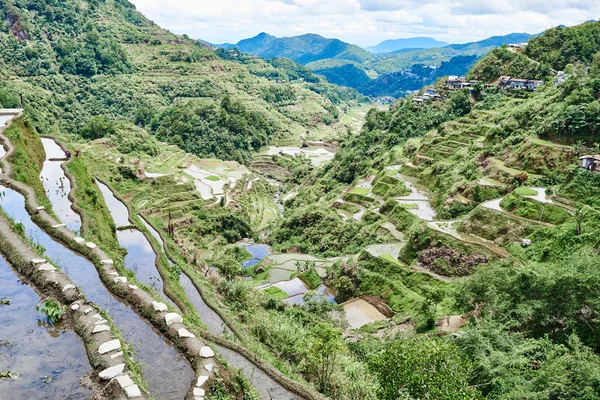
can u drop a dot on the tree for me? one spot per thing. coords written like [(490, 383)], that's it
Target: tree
[(579, 215), (344, 287), (98, 127), (422, 368), (578, 146), (323, 345)]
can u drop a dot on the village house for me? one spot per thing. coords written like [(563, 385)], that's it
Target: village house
[(429, 95), (507, 82), (591, 163), (517, 46), (533, 84), (458, 82), (455, 82), (561, 77)]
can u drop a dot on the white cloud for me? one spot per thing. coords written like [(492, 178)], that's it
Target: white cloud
[(365, 22)]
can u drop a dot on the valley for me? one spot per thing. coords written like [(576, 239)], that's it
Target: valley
[(182, 222)]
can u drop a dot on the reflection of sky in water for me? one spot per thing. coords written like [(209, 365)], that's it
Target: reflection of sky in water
[(132, 238), (58, 186), (4, 119), (168, 373), (34, 346), (258, 252), (52, 149), (118, 210)]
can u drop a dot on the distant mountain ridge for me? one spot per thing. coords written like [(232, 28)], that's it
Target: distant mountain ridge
[(302, 49), (495, 41), (389, 46), (396, 72)]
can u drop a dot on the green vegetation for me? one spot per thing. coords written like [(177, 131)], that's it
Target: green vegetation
[(53, 310), (525, 191), (404, 373), (100, 64), (534, 210), (524, 312), (311, 278), (276, 292), (409, 206), (362, 191), (501, 61), (28, 159), (320, 232), (561, 46)]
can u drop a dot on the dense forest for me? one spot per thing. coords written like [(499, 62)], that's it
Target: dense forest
[(72, 61)]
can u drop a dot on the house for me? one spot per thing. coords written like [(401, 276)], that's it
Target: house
[(561, 77), (517, 83), (503, 81), (517, 46), (591, 163), (533, 84), (507, 82), (456, 82), (429, 95)]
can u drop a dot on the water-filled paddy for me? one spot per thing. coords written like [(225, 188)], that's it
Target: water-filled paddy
[(58, 186), (49, 360), (359, 313), (168, 373)]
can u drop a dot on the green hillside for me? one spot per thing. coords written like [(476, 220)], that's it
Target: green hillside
[(398, 73), (561, 46), (497, 167), (81, 65)]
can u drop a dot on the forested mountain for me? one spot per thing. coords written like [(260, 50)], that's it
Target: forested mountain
[(501, 169), (390, 46), (303, 49), (82, 65), (396, 71)]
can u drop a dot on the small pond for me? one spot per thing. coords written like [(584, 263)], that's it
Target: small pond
[(266, 386), (258, 252), (359, 313)]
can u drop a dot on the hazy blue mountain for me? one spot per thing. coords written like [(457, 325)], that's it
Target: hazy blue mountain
[(393, 45), (495, 41)]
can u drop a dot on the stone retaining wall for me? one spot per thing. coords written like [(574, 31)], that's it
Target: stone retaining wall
[(171, 324), (94, 330)]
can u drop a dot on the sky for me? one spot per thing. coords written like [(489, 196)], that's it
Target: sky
[(364, 22)]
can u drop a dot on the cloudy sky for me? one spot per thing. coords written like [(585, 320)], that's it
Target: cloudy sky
[(365, 22)]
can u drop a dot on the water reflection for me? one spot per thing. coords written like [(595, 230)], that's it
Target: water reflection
[(58, 186), (167, 372), (33, 348)]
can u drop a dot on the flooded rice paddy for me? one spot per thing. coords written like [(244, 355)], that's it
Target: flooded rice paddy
[(359, 313), (57, 185), (167, 373), (317, 155), (48, 360), (140, 258)]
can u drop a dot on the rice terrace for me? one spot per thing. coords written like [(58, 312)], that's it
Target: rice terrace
[(298, 217)]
